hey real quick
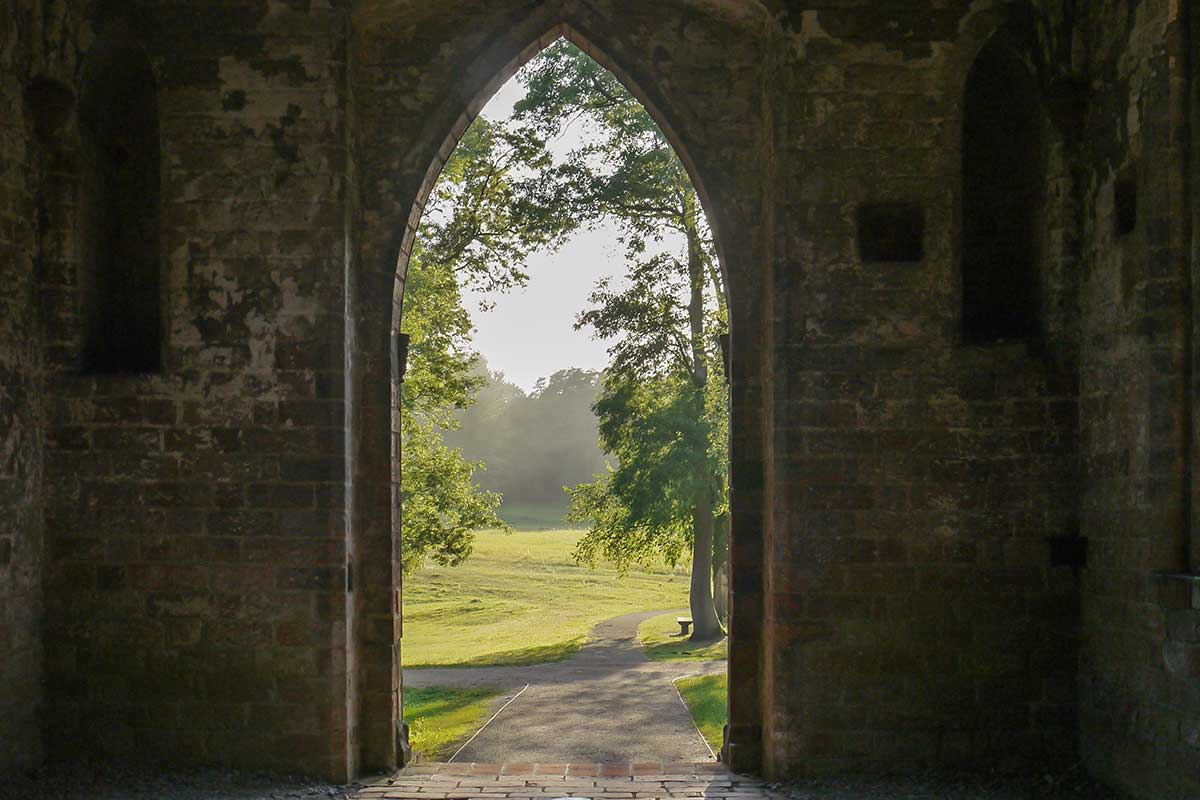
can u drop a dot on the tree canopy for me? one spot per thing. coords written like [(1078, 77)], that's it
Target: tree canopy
[(488, 211), (662, 410), (661, 405)]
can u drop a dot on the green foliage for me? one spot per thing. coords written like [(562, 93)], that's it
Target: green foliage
[(441, 718), (661, 405), (707, 697), (443, 507), (656, 430), (626, 170), (488, 212), (662, 409), (499, 199)]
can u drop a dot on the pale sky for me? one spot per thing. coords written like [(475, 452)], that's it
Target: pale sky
[(530, 333)]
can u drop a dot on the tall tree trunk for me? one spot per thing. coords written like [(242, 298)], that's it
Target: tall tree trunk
[(706, 626), (721, 593), (720, 567)]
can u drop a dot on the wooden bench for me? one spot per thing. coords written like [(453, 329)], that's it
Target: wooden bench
[(685, 625)]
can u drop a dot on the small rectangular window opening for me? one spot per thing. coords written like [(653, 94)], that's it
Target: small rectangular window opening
[(891, 233), (1125, 203)]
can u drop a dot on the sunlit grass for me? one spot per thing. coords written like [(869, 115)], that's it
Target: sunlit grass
[(440, 719), (535, 517), (661, 642), (521, 599), (706, 697)]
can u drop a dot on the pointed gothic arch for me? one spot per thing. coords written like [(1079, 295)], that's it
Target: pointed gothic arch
[(375, 279), (1002, 196)]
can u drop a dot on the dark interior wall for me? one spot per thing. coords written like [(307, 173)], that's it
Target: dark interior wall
[(896, 603), (196, 579), (1139, 677), (915, 616), (22, 394)]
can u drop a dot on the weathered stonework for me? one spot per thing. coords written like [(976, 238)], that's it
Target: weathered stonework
[(1139, 705), (21, 419), (205, 555)]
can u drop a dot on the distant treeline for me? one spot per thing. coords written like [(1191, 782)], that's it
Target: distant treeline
[(533, 444)]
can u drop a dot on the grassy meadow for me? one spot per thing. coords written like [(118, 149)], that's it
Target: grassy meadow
[(521, 599), (535, 517), (661, 641)]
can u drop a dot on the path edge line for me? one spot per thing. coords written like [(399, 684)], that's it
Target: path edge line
[(691, 717), (500, 710)]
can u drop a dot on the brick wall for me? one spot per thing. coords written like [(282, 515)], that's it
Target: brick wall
[(913, 614), (196, 591), (21, 419), (895, 601), (1140, 696)]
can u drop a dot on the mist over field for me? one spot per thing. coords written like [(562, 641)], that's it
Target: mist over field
[(532, 443)]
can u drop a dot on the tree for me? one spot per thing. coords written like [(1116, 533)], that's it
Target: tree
[(441, 503), (487, 213), (662, 408)]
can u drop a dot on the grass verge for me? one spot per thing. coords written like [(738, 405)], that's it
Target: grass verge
[(534, 517), (661, 641), (521, 599), (706, 697), (441, 718)]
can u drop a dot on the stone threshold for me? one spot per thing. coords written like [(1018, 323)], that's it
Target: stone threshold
[(615, 769)]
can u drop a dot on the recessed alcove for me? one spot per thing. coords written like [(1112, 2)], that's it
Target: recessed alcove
[(891, 232), (1002, 188)]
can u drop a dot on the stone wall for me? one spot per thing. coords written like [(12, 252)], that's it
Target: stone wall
[(197, 584), (1139, 681), (908, 584), (21, 419), (914, 613)]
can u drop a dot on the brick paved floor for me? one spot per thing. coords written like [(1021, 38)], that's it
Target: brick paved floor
[(618, 781)]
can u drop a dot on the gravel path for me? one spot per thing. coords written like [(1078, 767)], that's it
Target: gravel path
[(607, 703)]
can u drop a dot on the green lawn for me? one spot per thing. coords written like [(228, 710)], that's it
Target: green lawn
[(706, 699), (441, 719), (534, 517), (661, 642), (521, 599)]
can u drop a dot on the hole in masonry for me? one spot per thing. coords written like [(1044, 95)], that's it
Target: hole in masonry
[(1125, 204), (891, 232)]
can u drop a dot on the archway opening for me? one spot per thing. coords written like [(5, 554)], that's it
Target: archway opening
[(120, 297), (1003, 185), (573, 151)]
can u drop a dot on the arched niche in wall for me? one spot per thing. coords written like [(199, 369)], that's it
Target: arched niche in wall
[(1002, 198), (120, 274)]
